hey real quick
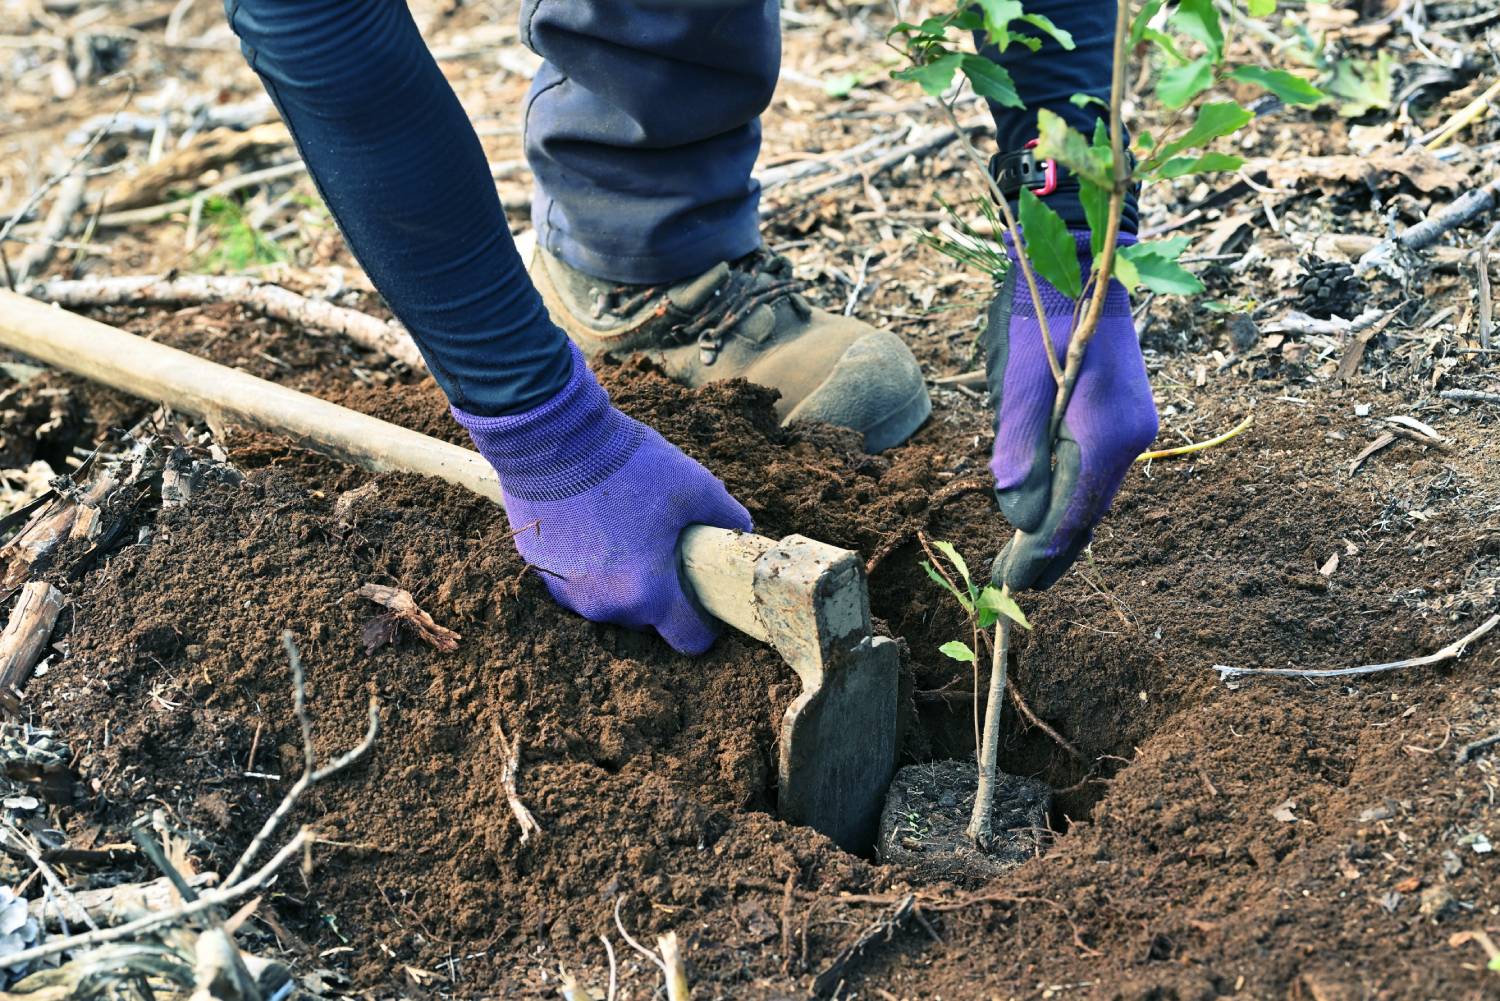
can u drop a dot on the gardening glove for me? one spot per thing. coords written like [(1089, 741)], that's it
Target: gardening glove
[(597, 501), (1055, 496)]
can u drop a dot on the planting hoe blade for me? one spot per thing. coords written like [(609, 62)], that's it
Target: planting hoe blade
[(808, 600)]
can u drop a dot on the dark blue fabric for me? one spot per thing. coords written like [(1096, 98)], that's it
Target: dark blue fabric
[(1050, 76), (398, 163), (642, 130)]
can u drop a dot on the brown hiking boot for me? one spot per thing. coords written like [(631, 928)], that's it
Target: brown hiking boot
[(744, 320)]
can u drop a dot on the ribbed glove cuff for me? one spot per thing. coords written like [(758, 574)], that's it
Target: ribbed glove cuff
[(568, 445), (1053, 301)]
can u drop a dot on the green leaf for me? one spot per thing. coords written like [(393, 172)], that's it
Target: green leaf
[(999, 602), (997, 17), (1261, 8), (1363, 85), (1166, 43), (1142, 21), (1084, 100), (934, 77), (1171, 248), (1050, 248), (1290, 87), (1057, 140), (1157, 271), (841, 85), (1126, 274), (1214, 120), (1095, 202), (958, 651), (1206, 163), (948, 550), (1044, 24), (991, 80), (1199, 19), (1179, 85), (942, 582)]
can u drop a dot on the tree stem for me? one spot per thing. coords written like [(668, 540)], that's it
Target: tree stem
[(980, 830)]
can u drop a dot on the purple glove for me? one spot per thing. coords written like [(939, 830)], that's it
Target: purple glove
[(1056, 498), (598, 500)]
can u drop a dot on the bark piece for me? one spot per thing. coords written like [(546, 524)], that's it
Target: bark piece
[(207, 151), (26, 635)]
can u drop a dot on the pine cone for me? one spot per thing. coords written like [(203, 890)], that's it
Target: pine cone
[(1329, 288)]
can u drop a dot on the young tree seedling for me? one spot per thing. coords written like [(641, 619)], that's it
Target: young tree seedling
[(1188, 44)]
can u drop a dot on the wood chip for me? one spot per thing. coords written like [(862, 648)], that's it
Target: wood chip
[(1385, 440)]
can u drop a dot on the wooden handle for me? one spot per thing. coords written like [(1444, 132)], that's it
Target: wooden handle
[(719, 565), (219, 394)]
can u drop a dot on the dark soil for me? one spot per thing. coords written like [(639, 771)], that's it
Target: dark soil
[(1279, 838), (924, 824)]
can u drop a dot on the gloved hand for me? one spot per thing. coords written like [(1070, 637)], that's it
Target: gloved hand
[(1055, 497), (598, 501)]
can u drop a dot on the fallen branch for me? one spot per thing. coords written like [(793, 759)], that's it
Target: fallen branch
[(925, 145), (130, 929), (669, 962), (1452, 651), (827, 982), (372, 333), (208, 151), (310, 775), (1467, 207), (1473, 747), (25, 637), (56, 179), (48, 529), (510, 769), (1463, 118), (1470, 396), (404, 608)]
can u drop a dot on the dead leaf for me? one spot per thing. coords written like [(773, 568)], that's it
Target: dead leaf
[(379, 631), (1328, 568)]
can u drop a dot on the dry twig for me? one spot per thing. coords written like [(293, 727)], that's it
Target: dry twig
[(1452, 651), (311, 776), (510, 770)]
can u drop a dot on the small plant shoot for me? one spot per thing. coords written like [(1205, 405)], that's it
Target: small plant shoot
[(1185, 44)]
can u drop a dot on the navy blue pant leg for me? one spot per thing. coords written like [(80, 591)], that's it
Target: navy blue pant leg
[(642, 130), (398, 163), (1050, 76)]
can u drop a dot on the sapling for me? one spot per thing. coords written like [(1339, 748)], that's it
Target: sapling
[(1188, 43)]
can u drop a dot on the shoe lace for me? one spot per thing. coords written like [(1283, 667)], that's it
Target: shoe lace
[(760, 278)]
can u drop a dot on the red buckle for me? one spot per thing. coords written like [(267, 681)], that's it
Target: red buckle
[(1049, 174)]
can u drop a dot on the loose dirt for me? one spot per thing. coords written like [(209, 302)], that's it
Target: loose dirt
[(1277, 838), (1286, 836)]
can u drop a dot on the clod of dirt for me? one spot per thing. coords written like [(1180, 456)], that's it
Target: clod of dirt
[(927, 812)]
